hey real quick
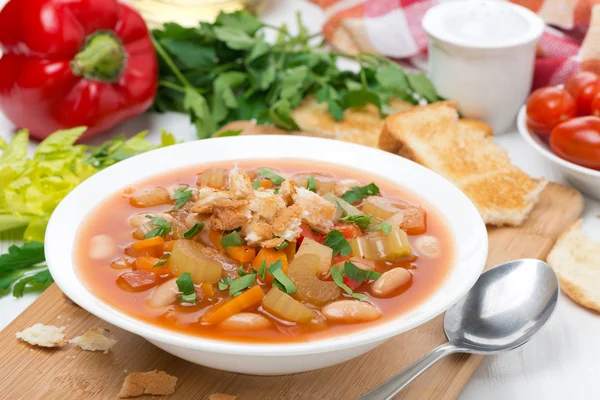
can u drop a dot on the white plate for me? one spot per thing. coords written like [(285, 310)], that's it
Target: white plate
[(463, 220), (585, 179)]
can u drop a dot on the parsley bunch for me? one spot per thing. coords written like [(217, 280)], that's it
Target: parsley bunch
[(227, 71)]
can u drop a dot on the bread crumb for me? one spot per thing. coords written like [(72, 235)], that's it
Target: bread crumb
[(222, 396), (94, 340), (43, 335), (317, 212), (157, 383)]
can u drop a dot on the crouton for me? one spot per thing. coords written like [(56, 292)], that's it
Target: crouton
[(156, 383), (207, 198), (287, 190), (222, 396), (43, 335), (240, 185), (317, 212), (286, 223), (229, 214), (271, 243), (256, 232), (94, 340), (266, 204)]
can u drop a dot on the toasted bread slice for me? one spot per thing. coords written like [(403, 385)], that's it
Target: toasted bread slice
[(360, 125), (576, 259), (463, 152)]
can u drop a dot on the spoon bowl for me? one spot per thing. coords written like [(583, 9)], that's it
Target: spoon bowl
[(503, 310)]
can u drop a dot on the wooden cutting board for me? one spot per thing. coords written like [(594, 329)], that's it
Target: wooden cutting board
[(69, 373)]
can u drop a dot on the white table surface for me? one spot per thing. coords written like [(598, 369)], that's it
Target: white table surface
[(561, 362)]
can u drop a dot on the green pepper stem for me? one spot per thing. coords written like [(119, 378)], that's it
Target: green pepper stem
[(101, 59)]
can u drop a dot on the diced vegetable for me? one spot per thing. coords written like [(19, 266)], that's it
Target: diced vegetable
[(244, 254), (164, 295), (250, 298), (150, 198), (343, 207), (143, 230), (152, 247), (192, 257), (309, 233), (148, 263), (290, 251), (213, 177), (349, 231), (168, 247), (325, 183), (137, 281), (215, 239), (381, 247), (271, 256), (286, 307), (143, 218), (428, 246), (208, 290), (413, 217), (179, 228), (323, 253), (123, 262), (302, 272)]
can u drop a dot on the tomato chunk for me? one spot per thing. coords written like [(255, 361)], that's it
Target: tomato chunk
[(137, 281), (309, 233), (350, 231)]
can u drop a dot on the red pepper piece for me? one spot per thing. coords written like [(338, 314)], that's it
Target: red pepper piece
[(137, 281), (76, 63), (351, 283)]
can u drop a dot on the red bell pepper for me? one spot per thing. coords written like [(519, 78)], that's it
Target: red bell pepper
[(74, 63)]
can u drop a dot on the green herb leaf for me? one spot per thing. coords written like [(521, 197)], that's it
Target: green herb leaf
[(271, 175), (256, 184), (241, 271), (181, 196), (385, 228), (24, 256), (244, 282), (362, 221), (358, 274), (393, 79), (224, 283), (422, 86), (338, 243), (231, 132), (338, 278), (39, 280), (358, 193), (187, 291), (232, 239), (262, 270), (162, 260), (234, 37), (311, 184), (190, 54), (194, 230), (163, 228), (286, 285), (281, 246), (196, 105), (240, 20)]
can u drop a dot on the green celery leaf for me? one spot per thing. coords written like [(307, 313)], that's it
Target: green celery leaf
[(282, 246), (311, 184), (358, 193), (358, 274), (280, 114), (241, 283), (338, 278), (181, 196), (262, 270), (187, 291), (234, 37), (194, 230), (338, 243), (280, 277), (162, 260), (232, 239), (24, 256), (362, 221), (271, 175)]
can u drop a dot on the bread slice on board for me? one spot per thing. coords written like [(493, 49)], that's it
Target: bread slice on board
[(463, 152), (576, 259)]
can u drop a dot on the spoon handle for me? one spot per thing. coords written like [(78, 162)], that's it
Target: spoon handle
[(392, 386)]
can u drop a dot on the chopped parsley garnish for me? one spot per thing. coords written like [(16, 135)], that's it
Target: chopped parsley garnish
[(224, 283), (241, 270), (194, 230), (262, 270), (358, 193), (362, 221), (162, 227), (311, 184), (232, 239), (338, 278), (187, 291), (244, 282), (282, 246), (181, 196), (282, 282), (272, 176), (385, 228), (256, 184), (162, 260), (338, 243), (358, 274)]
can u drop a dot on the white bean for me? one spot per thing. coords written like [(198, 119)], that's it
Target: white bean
[(102, 247), (351, 311), (140, 219), (165, 294), (428, 246), (390, 281), (245, 322)]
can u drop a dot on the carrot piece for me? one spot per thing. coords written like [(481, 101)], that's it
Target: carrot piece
[(267, 184), (152, 247), (244, 254), (250, 298), (207, 289), (147, 263), (271, 256), (215, 238), (168, 246), (290, 251)]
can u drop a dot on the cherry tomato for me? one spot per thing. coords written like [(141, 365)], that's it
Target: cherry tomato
[(548, 107), (596, 106), (578, 140), (583, 86)]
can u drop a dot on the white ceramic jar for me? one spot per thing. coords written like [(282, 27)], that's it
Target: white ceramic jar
[(481, 54)]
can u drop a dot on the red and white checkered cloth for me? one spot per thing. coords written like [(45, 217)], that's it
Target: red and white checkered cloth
[(393, 28)]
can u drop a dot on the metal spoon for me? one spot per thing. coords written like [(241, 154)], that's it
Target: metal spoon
[(502, 311)]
